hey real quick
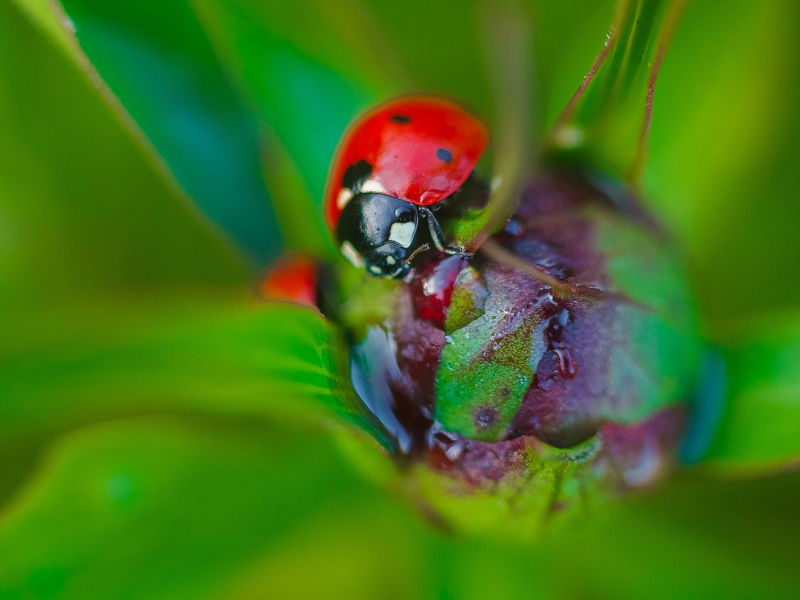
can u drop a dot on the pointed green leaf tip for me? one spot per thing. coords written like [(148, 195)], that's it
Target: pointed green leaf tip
[(606, 123)]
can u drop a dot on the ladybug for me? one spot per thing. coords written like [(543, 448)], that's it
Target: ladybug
[(394, 164)]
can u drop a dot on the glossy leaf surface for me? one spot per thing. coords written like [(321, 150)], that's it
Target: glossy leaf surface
[(157, 60), (179, 351), (81, 210), (184, 355)]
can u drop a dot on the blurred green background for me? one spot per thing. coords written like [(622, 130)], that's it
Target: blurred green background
[(160, 431)]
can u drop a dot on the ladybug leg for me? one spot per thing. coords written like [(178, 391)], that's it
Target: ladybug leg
[(437, 236)]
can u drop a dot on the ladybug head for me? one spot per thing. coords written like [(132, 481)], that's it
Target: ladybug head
[(379, 232)]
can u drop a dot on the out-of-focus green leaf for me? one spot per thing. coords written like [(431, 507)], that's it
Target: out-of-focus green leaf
[(760, 429), (694, 539), (165, 508), (723, 162), (363, 549), (156, 59), (46, 16), (81, 210), (304, 74), (723, 172), (327, 74), (443, 45), (568, 35), (168, 508), (297, 212), (196, 353)]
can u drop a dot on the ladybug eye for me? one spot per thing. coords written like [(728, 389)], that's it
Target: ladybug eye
[(403, 214)]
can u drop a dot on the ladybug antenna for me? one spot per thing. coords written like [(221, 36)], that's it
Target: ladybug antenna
[(423, 248)]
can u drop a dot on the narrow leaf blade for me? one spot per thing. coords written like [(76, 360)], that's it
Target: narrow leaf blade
[(155, 58)]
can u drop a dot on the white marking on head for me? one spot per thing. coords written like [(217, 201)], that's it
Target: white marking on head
[(352, 255), (375, 269), (343, 198), (403, 233), (370, 186), (390, 260)]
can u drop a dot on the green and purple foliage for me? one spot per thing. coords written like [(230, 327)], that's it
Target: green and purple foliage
[(604, 402), (555, 392)]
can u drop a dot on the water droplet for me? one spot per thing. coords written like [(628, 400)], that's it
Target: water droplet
[(554, 335), (454, 451), (566, 364)]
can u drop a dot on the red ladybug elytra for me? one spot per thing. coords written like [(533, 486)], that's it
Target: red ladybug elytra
[(393, 163)]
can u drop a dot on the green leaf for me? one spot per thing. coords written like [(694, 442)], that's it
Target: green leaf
[(157, 61), (721, 539), (305, 73), (171, 508), (81, 209), (722, 170), (606, 123), (298, 214), (52, 23), (200, 353), (724, 175), (166, 508), (760, 430)]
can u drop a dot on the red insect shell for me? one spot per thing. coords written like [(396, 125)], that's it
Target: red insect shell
[(421, 149), (291, 278)]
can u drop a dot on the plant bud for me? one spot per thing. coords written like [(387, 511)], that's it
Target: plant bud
[(553, 368)]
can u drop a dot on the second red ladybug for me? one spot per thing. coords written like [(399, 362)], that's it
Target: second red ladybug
[(392, 165)]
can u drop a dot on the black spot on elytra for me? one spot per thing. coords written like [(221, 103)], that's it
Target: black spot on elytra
[(355, 175), (401, 119), (444, 155)]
